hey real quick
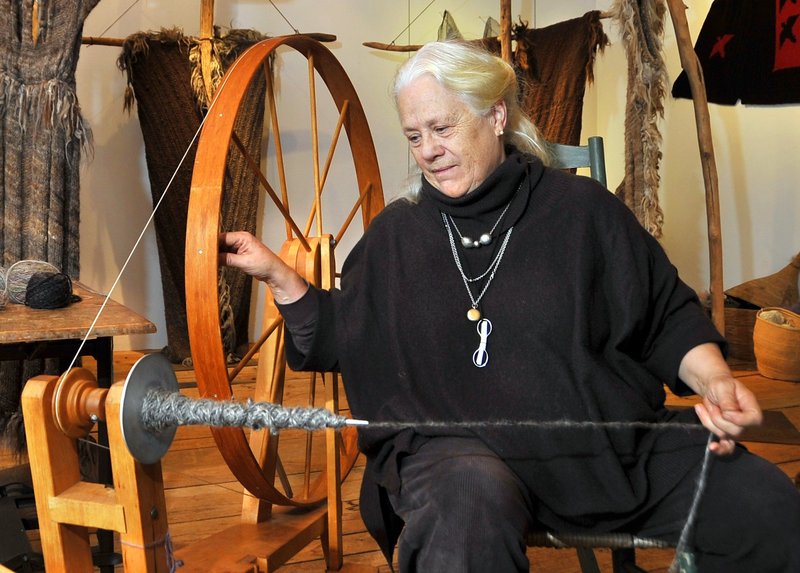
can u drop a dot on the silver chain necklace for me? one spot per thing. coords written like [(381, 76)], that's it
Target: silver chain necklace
[(485, 238), (473, 313), (480, 357)]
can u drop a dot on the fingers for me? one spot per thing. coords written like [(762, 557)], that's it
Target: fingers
[(234, 241), (723, 447), (710, 416), (727, 422)]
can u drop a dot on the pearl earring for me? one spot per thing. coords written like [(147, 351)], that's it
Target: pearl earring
[(500, 132)]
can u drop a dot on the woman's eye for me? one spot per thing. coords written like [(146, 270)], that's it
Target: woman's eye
[(441, 130), (414, 139)]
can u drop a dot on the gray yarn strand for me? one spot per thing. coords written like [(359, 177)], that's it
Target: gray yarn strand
[(162, 409), (684, 559), (540, 424)]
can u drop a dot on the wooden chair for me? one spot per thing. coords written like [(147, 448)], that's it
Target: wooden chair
[(623, 545)]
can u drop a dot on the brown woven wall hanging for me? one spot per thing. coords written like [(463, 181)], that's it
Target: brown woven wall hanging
[(164, 78)]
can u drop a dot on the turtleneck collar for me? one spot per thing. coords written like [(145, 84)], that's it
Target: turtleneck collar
[(494, 193)]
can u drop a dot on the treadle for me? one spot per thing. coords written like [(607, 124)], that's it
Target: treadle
[(16, 553)]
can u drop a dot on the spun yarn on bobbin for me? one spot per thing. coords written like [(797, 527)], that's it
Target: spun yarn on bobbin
[(48, 290), (19, 274)]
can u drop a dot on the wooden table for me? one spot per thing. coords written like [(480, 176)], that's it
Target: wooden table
[(27, 333)]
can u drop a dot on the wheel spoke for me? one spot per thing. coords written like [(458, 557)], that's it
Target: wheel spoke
[(282, 477), (273, 113), (312, 90), (361, 197), (312, 394), (254, 348), (255, 168), (328, 160)]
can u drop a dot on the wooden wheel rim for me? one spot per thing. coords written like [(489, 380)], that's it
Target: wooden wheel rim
[(203, 224)]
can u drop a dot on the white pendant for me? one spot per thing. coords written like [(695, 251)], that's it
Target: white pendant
[(486, 239), (474, 314)]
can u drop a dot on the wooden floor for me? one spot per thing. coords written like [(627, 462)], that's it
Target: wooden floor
[(203, 497)]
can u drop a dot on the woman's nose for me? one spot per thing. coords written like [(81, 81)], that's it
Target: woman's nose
[(430, 148)]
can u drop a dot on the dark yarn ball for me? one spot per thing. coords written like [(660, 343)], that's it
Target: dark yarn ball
[(47, 290)]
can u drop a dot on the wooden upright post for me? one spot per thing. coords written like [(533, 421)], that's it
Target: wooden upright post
[(694, 73), (206, 39), (505, 30)]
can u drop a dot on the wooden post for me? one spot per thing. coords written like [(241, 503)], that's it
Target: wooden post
[(505, 30), (334, 554), (694, 73), (206, 38)]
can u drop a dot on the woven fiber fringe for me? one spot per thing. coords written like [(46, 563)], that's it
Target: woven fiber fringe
[(42, 135), (642, 26), (163, 78), (556, 63)]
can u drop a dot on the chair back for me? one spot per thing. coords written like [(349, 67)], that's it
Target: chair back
[(591, 155)]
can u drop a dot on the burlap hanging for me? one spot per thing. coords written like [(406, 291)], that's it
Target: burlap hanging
[(42, 134), (164, 78)]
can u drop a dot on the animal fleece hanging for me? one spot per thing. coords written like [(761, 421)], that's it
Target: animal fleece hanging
[(750, 52)]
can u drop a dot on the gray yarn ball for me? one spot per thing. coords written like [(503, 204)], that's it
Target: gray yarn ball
[(19, 274)]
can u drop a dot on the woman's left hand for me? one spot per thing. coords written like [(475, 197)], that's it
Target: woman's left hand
[(728, 407)]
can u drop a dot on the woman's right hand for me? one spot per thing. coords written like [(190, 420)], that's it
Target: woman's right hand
[(241, 250)]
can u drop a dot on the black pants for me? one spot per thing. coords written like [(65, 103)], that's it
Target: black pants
[(466, 511)]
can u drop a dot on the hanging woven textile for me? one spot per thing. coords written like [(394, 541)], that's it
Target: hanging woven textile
[(164, 77), (749, 51), (642, 26), (556, 63), (42, 134)]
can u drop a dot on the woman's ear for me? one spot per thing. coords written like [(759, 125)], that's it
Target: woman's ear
[(499, 115)]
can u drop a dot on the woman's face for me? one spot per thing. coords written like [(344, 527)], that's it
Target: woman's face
[(455, 148)]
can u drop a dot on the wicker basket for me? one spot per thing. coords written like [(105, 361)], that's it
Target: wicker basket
[(776, 343)]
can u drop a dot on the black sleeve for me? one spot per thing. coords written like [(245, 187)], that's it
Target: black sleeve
[(310, 325), (300, 318), (657, 317)]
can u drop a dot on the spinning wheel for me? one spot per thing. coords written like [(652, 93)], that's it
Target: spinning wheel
[(256, 462)]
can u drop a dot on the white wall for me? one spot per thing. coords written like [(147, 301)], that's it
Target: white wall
[(758, 172)]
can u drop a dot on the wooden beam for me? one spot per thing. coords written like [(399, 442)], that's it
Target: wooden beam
[(101, 41)]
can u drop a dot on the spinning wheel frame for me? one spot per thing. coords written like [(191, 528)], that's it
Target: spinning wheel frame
[(218, 137)]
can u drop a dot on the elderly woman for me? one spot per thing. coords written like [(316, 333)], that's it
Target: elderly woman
[(503, 290)]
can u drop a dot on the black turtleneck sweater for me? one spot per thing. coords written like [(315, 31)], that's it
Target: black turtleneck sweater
[(590, 320)]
